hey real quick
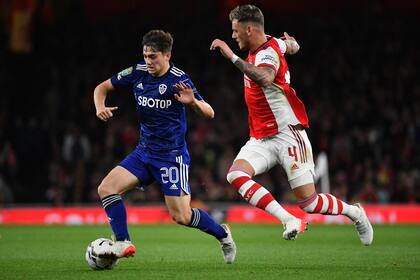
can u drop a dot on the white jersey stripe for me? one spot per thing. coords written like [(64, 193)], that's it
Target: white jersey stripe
[(182, 175), (176, 74), (302, 144), (181, 179), (177, 69), (279, 106), (186, 178), (141, 67), (298, 142)]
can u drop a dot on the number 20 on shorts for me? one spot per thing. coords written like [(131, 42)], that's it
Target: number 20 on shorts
[(170, 174)]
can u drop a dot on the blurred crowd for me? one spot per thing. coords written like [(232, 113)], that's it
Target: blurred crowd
[(356, 74)]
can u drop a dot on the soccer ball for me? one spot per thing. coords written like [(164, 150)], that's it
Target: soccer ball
[(96, 262)]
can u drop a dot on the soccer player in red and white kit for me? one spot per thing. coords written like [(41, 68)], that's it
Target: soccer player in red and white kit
[(277, 122)]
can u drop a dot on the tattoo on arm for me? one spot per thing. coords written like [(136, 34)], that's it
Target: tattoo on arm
[(263, 76), (292, 47)]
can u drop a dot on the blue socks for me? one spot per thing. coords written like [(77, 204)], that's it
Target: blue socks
[(115, 210), (201, 220)]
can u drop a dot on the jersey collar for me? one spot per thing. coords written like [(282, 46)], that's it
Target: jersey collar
[(262, 45), (166, 73)]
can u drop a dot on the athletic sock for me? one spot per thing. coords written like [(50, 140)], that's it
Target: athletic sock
[(328, 204), (257, 195), (201, 220), (117, 216)]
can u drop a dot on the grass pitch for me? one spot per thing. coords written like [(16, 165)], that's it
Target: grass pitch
[(175, 252)]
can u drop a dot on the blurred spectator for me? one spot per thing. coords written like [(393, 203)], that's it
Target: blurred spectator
[(358, 82)]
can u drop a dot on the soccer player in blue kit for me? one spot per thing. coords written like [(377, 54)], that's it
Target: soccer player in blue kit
[(161, 92)]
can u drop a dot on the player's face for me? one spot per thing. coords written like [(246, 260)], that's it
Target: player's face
[(157, 63), (240, 34)]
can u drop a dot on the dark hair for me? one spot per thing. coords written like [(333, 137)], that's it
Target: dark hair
[(158, 40), (247, 13)]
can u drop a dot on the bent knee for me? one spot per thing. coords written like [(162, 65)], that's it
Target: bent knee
[(182, 218), (309, 203), (234, 174), (230, 177), (105, 189)]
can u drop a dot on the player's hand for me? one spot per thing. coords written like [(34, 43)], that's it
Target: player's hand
[(223, 47), (185, 93), (287, 37), (105, 113)]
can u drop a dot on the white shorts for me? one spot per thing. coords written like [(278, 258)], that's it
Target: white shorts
[(290, 148)]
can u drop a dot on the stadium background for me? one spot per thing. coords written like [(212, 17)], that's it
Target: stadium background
[(356, 73)]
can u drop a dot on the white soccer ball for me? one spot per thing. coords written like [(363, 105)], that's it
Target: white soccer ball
[(96, 262)]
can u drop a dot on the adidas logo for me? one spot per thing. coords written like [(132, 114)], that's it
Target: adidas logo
[(173, 187), (294, 167), (140, 86)]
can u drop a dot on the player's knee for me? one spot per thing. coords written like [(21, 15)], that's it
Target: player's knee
[(181, 218), (234, 174), (309, 203), (105, 189), (230, 177)]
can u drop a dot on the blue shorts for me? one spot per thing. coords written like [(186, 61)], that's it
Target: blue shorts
[(169, 170)]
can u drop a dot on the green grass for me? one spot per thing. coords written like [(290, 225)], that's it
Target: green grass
[(174, 252)]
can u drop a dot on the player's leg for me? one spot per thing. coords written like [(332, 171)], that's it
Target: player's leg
[(253, 159), (240, 177), (172, 175), (118, 181), (182, 213), (327, 204), (298, 163)]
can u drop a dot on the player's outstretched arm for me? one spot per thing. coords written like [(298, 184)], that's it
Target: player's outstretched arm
[(99, 96), (263, 76), (292, 45), (186, 96)]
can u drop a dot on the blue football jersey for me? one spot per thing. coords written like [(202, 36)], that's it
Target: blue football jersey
[(162, 120)]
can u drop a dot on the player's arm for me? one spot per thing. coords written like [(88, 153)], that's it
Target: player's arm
[(186, 96), (292, 45), (263, 76), (99, 97)]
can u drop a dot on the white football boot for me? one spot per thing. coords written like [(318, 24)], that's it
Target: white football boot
[(293, 227), (120, 249), (363, 227), (228, 246)]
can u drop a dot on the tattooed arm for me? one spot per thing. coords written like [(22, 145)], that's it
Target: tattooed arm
[(263, 76), (292, 45)]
